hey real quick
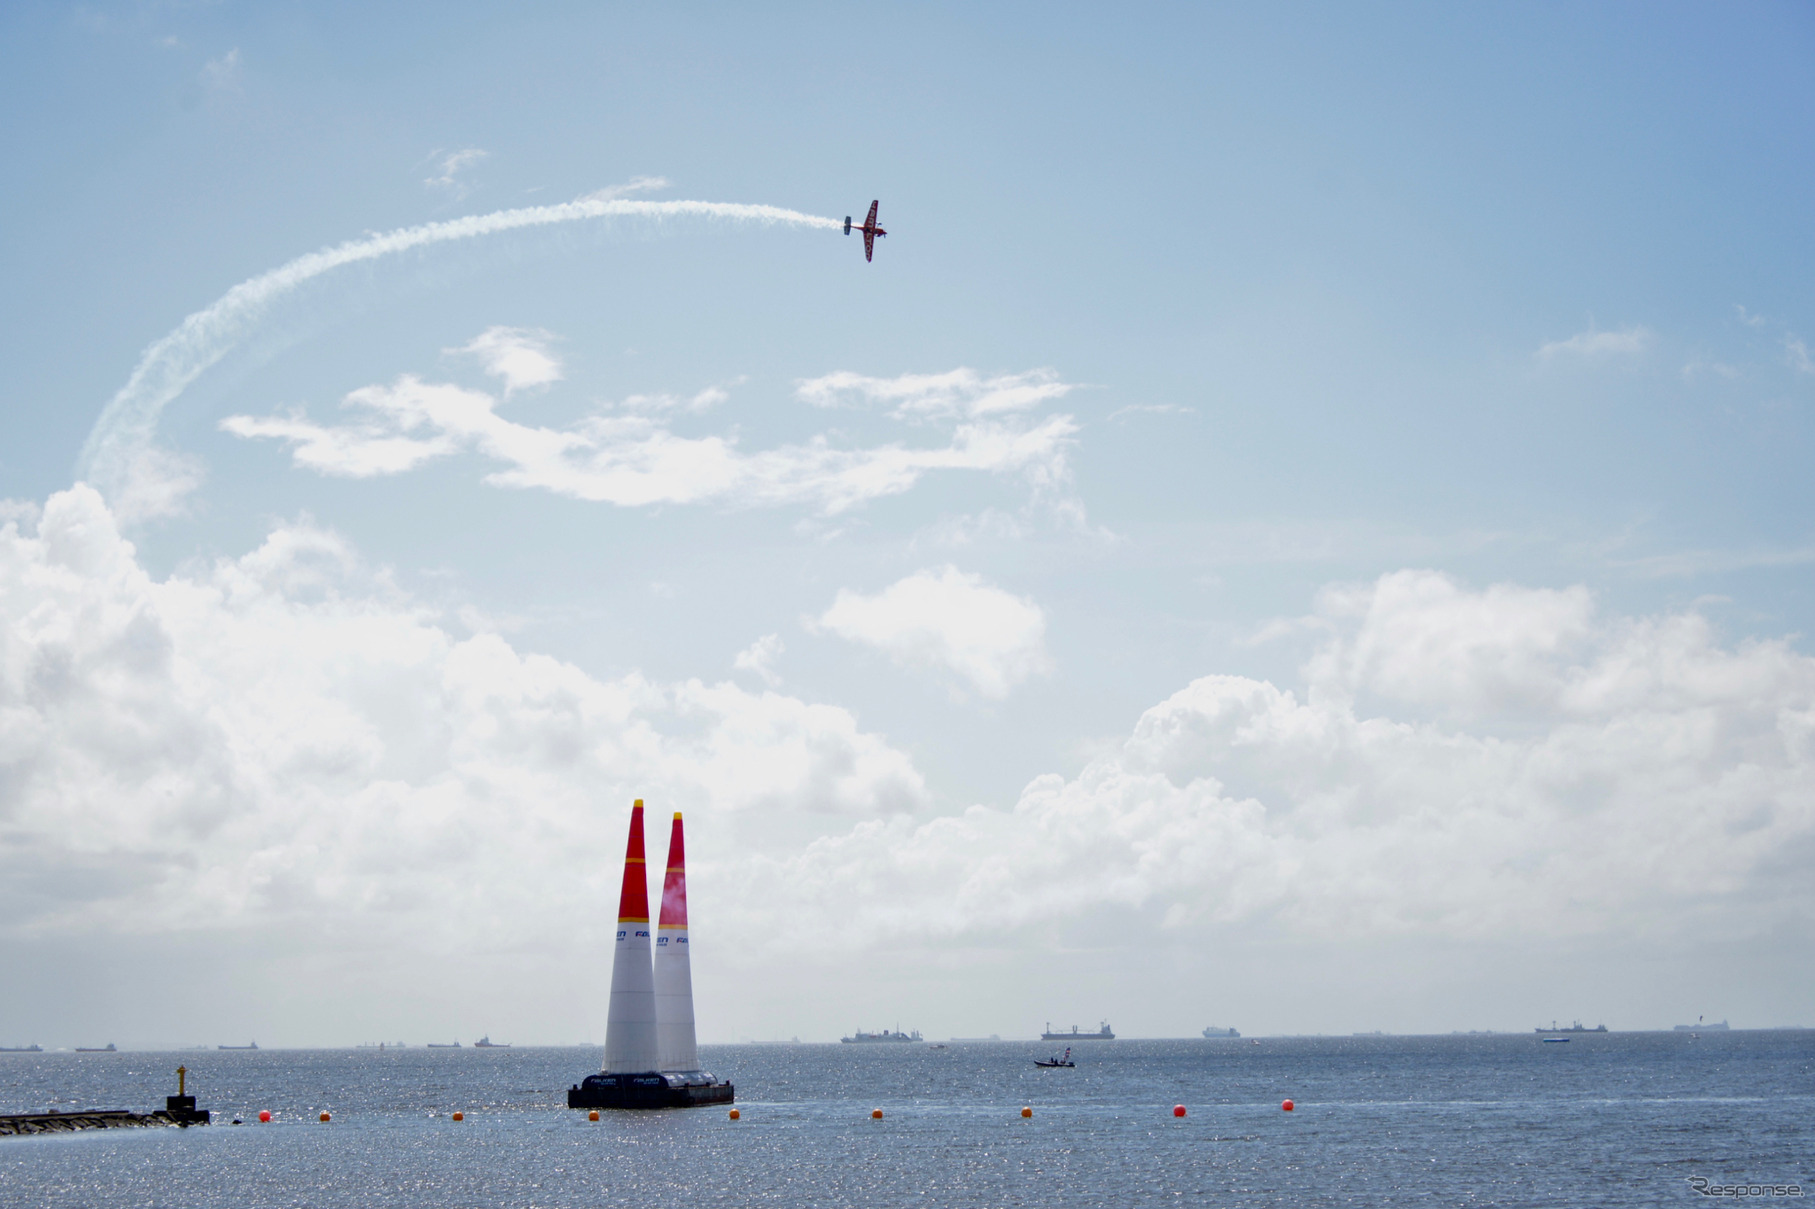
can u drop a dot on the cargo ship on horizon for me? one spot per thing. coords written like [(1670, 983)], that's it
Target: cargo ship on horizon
[(1102, 1034), (863, 1038)]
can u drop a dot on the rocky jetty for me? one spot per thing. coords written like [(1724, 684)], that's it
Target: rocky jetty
[(179, 1110), (105, 1118)]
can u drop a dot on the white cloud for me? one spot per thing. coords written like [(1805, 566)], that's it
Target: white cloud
[(637, 460), (948, 621), (223, 74), (1155, 409), (705, 400), (1720, 369), (1747, 317), (287, 740), (760, 657), (519, 356), (1421, 639), (383, 445), (951, 532), (1797, 354), (955, 393), (636, 184), (1635, 780), (121, 447), (288, 737), (155, 481), (451, 165), (1627, 341)]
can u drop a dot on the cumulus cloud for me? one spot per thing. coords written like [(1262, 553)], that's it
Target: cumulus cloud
[(635, 458), (286, 736), (1420, 639), (1635, 778), (1626, 341), (956, 393), (518, 356), (287, 739), (948, 621)]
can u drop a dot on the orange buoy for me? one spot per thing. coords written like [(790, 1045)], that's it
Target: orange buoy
[(264, 1114), (1178, 1110), (459, 1116), (593, 1115), (875, 1114), (1026, 1112), (735, 1114), (325, 1117), (1287, 1105)]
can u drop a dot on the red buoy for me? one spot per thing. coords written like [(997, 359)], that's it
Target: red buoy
[(264, 1114), (1286, 1104), (1178, 1110)]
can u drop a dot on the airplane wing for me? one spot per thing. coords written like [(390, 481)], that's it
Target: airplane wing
[(871, 221), (869, 241)]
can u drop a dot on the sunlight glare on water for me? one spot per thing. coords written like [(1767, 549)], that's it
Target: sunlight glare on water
[(1623, 1119)]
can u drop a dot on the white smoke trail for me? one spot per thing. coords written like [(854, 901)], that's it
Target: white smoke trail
[(143, 481)]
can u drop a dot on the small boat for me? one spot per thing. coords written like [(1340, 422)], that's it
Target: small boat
[(254, 1045), (109, 1048), (1555, 1040), (1057, 1060), (486, 1042)]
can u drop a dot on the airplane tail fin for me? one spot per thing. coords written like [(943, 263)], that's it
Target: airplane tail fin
[(847, 224)]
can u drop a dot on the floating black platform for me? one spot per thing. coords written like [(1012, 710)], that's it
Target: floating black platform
[(649, 1090)]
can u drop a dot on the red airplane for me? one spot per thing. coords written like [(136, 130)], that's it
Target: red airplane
[(870, 231)]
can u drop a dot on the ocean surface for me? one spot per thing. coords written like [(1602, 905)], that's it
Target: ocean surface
[(1605, 1120)]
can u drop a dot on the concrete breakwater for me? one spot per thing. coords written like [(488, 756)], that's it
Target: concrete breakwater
[(107, 1118)]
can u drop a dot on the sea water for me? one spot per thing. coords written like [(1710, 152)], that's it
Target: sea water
[(1614, 1119)]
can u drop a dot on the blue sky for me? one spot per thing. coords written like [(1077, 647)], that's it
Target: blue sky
[(1414, 374)]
